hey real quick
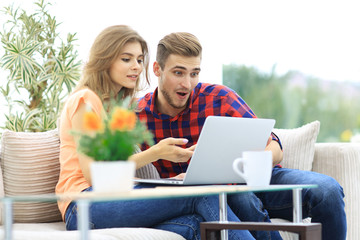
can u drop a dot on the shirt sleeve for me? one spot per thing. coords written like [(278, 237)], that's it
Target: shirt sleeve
[(89, 98), (237, 107), (276, 138)]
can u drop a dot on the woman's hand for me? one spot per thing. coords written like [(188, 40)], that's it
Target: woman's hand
[(170, 149)]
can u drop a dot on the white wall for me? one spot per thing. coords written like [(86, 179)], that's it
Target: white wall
[(319, 38)]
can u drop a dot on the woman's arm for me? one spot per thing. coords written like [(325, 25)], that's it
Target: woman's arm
[(169, 148)]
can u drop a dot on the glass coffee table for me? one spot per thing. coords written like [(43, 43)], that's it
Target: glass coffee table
[(84, 199)]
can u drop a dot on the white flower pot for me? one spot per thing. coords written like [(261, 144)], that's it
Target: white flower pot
[(112, 176)]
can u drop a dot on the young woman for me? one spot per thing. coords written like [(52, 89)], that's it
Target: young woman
[(117, 59)]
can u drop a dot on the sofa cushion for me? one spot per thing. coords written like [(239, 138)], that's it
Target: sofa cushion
[(299, 145), (30, 165), (56, 230)]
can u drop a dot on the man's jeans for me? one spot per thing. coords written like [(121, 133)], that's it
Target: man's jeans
[(169, 214), (323, 204)]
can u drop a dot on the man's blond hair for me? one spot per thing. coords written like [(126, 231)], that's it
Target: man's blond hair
[(179, 43)]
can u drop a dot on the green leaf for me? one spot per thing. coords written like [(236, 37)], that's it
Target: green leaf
[(29, 118), (8, 62)]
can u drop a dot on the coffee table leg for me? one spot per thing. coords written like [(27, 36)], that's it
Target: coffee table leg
[(8, 218), (83, 218), (297, 205), (223, 214)]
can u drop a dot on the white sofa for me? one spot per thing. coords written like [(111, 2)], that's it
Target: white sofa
[(339, 160)]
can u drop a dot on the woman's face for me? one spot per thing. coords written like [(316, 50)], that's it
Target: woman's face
[(125, 71)]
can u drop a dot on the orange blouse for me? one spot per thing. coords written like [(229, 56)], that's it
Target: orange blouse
[(71, 178)]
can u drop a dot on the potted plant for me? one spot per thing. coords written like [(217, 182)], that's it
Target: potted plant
[(42, 68), (110, 141)]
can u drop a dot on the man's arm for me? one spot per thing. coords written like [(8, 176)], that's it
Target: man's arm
[(275, 148)]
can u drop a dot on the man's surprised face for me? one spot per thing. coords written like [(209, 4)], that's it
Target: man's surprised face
[(176, 82)]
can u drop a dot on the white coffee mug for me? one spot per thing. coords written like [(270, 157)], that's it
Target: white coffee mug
[(255, 167)]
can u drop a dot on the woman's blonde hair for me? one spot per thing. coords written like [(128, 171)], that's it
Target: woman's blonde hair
[(103, 53)]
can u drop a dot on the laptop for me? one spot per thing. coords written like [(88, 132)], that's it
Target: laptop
[(221, 141)]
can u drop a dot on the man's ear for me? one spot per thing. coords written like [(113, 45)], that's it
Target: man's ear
[(156, 69)]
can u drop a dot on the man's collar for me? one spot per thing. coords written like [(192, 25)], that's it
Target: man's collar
[(153, 102)]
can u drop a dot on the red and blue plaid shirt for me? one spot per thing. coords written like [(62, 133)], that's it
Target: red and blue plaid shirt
[(205, 100)]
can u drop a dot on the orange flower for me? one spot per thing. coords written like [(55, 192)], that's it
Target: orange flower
[(92, 121), (122, 119)]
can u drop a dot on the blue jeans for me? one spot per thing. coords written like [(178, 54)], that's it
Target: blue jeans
[(249, 208), (187, 226), (171, 214), (323, 204)]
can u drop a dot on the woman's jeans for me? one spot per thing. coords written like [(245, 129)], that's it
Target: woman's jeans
[(180, 215)]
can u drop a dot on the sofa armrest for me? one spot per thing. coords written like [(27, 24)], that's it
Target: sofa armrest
[(342, 162), (338, 160)]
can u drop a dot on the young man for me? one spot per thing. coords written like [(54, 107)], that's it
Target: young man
[(178, 109)]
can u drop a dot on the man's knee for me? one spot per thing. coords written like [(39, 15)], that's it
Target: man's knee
[(328, 190)]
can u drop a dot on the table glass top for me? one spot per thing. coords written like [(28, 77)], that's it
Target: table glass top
[(152, 193)]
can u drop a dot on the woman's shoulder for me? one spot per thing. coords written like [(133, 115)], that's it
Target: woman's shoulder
[(84, 94)]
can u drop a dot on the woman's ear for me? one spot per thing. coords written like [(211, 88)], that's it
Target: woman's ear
[(156, 69)]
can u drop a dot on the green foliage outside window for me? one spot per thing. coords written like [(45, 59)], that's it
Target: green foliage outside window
[(294, 100)]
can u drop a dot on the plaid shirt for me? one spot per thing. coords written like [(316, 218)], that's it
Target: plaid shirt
[(205, 100)]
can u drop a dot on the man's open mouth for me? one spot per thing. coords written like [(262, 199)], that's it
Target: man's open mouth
[(181, 93)]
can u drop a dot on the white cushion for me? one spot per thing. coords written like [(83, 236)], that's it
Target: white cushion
[(299, 145), (56, 231)]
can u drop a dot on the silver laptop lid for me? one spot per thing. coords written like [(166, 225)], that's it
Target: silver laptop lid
[(221, 141)]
